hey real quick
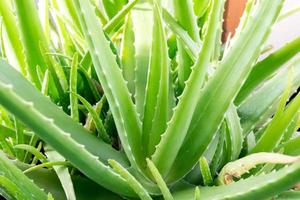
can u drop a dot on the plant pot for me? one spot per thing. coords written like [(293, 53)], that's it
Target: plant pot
[(233, 12)]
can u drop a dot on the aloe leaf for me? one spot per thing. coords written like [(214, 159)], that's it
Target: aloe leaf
[(68, 8), (239, 167), (110, 8), (48, 180), (291, 129), (292, 147), (159, 180), (62, 173), (128, 54), (113, 83), (136, 186), (11, 29), (16, 183), (19, 132), (258, 187), (197, 194), (268, 95), (289, 195), (214, 100), (235, 132), (56, 71), (86, 61), (45, 83), (200, 7), (190, 46), (46, 164), (183, 11), (142, 28), (99, 11), (218, 159), (84, 74), (32, 150), (65, 40), (98, 123), (6, 132), (116, 20), (9, 190), (43, 11), (73, 89), (155, 120), (265, 68), (90, 122), (52, 125), (30, 27), (276, 130), (174, 136), (289, 13), (205, 171)]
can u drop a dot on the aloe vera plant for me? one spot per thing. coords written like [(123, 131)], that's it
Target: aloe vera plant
[(139, 99)]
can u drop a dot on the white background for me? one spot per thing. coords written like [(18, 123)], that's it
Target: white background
[(287, 29)]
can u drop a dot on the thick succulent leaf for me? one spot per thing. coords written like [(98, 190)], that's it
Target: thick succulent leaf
[(191, 47), (62, 173), (289, 195), (235, 133), (159, 180), (218, 158), (265, 68), (30, 27), (292, 147), (134, 184), (242, 166), (73, 88), (205, 171), (67, 47), (174, 136), (157, 88), (113, 83), (84, 74), (111, 8), (95, 116), (259, 187), (128, 54), (233, 70), (289, 13), (116, 20), (26, 189), (184, 13), (13, 37), (52, 125), (142, 18), (48, 180), (34, 151), (68, 8), (200, 7), (281, 121), (253, 114), (43, 11)]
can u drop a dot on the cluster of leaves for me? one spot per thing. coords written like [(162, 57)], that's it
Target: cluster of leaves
[(140, 99)]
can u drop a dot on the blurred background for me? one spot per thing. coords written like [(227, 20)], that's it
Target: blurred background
[(286, 29)]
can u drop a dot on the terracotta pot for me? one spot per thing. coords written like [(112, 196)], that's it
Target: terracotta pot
[(233, 12)]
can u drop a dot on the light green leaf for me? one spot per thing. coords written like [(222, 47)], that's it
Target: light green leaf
[(113, 83), (157, 88), (16, 184), (214, 100)]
